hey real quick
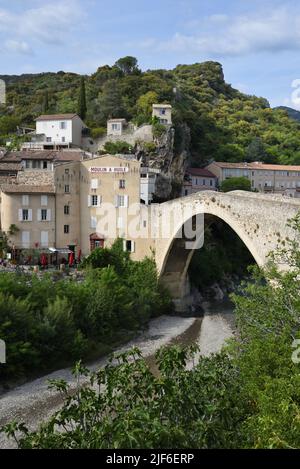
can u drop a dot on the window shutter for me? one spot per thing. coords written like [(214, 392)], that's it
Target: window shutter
[(89, 201), (39, 214), (126, 199), (94, 184), (30, 215), (116, 201), (132, 246), (120, 223), (124, 245), (49, 215), (99, 201), (20, 214), (93, 222)]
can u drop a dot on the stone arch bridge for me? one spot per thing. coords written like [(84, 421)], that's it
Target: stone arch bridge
[(259, 220)]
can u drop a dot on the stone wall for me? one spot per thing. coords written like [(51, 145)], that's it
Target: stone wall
[(259, 220), (36, 178)]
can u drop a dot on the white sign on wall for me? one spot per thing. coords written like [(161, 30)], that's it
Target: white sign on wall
[(109, 170)]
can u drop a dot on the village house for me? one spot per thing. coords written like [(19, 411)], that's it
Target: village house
[(163, 112), (61, 210), (116, 126), (198, 179), (267, 178), (57, 131)]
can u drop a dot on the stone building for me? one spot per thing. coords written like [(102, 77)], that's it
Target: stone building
[(77, 206), (267, 178), (163, 112), (198, 179)]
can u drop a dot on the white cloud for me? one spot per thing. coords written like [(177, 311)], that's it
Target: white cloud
[(19, 47), (49, 23), (270, 31)]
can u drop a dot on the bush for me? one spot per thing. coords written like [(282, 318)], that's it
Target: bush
[(236, 183), (114, 148), (98, 132)]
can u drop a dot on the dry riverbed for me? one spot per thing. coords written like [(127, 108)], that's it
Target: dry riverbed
[(33, 402)]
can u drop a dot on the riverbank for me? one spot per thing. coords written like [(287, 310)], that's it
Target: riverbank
[(34, 403)]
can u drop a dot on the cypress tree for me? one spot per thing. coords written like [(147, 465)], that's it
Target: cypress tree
[(46, 102), (82, 107)]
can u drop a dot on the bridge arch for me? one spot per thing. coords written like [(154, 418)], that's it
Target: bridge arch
[(258, 220)]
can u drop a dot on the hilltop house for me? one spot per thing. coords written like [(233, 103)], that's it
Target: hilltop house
[(116, 126), (57, 131), (163, 112)]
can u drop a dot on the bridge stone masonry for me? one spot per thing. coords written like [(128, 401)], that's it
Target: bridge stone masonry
[(259, 220)]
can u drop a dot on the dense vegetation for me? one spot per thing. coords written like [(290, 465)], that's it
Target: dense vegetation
[(223, 256), (48, 322), (225, 124), (248, 396), (235, 184)]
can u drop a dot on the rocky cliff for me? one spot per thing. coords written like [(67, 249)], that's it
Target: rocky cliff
[(170, 154)]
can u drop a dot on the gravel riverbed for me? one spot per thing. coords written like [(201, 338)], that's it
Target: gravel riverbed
[(33, 402)]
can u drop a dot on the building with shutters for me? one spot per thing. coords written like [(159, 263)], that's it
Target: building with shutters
[(77, 205)]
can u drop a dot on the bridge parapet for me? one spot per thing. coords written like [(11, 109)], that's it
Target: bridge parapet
[(259, 220)]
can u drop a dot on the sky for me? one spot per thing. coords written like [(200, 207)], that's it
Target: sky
[(257, 41)]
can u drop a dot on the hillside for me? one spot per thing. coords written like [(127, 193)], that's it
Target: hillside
[(225, 124), (293, 113)]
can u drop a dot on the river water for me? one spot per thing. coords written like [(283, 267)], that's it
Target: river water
[(34, 403)]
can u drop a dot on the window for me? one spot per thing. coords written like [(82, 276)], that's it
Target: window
[(25, 216), (44, 239), (44, 200), (94, 184), (94, 222), (129, 246), (122, 184), (67, 210), (25, 200), (45, 165), (25, 239), (36, 164), (62, 125), (44, 214), (63, 139), (66, 229), (94, 200), (49, 139), (204, 183), (67, 171), (120, 223), (162, 112), (27, 164), (67, 189), (122, 201), (116, 126), (211, 183)]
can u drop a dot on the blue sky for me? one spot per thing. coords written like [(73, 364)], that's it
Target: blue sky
[(258, 42)]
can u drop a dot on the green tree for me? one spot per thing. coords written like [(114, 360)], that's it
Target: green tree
[(46, 102), (145, 102), (82, 106), (235, 183), (128, 65), (256, 151), (110, 100)]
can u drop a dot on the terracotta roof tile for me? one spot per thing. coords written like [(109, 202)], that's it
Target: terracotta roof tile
[(200, 172), (253, 166), (51, 117)]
